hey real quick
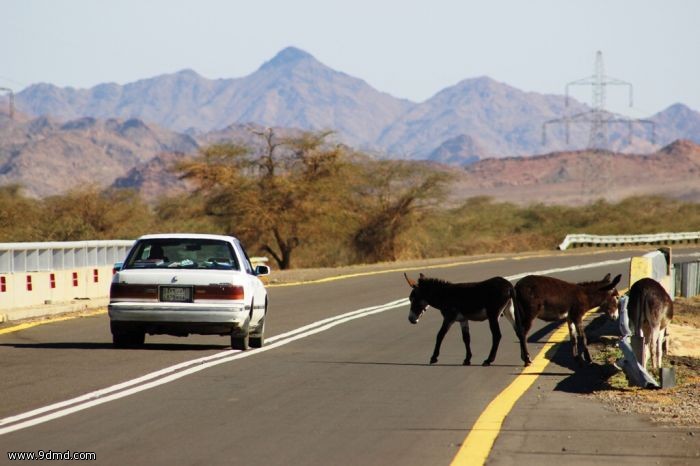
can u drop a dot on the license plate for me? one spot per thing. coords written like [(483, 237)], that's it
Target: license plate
[(176, 294)]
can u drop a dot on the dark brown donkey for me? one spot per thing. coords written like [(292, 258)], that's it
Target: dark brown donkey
[(462, 302), (650, 311), (551, 299)]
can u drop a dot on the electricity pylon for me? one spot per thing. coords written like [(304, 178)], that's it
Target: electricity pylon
[(598, 118)]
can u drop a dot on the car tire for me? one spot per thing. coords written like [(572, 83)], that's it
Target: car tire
[(240, 338), (126, 339), (240, 341), (257, 339)]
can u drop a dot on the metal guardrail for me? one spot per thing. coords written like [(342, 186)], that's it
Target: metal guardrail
[(42, 257), (687, 278), (616, 240)]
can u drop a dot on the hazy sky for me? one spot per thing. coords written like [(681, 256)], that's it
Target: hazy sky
[(407, 48)]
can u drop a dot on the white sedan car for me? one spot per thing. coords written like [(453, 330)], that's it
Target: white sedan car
[(178, 284)]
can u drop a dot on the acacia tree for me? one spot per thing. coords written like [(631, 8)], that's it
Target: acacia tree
[(395, 197), (276, 198), (20, 216), (91, 213)]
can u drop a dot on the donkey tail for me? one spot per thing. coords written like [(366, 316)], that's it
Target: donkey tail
[(519, 328)]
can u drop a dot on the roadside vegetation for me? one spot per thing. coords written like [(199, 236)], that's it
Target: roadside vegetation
[(305, 202)]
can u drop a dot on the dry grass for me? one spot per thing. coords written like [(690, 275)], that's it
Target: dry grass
[(686, 311)]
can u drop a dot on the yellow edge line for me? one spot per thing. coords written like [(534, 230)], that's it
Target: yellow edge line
[(476, 447), (378, 272), (50, 320)]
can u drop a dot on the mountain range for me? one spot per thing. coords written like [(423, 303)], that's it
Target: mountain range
[(127, 135), (477, 117)]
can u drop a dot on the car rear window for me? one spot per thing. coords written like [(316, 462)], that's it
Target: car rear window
[(179, 253)]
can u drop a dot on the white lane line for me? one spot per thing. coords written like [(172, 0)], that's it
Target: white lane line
[(172, 369), (169, 374), (593, 265)]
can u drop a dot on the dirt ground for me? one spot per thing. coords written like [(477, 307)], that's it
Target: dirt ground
[(677, 406)]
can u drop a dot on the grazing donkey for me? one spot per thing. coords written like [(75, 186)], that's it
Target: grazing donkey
[(462, 302), (551, 299), (650, 311)]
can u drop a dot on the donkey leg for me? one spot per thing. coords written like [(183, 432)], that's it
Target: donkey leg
[(524, 353), (438, 340), (573, 337), (583, 341), (659, 350), (467, 342), (654, 348), (495, 339)]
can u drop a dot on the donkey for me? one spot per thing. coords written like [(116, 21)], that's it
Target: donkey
[(462, 302), (650, 311), (551, 299)]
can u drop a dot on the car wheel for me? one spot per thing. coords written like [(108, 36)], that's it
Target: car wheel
[(127, 339), (239, 341), (257, 339)]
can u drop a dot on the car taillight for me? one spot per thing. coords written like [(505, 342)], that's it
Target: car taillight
[(218, 292), (130, 291)]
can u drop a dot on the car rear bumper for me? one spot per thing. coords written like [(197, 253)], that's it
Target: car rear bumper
[(180, 319)]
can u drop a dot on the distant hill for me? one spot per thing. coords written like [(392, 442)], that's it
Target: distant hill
[(581, 177), (51, 157), (155, 178), (295, 90)]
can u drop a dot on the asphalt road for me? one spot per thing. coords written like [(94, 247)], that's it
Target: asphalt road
[(350, 392)]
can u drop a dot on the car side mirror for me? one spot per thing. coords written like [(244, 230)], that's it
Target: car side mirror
[(262, 270)]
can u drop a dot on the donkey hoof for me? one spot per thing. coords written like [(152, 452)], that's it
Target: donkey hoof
[(486, 363), (433, 360), (467, 362)]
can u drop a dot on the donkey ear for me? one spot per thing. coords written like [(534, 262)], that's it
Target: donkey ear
[(617, 279), (613, 284), (411, 283), (606, 278), (421, 276)]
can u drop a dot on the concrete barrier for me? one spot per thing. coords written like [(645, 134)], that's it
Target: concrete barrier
[(657, 265), (38, 279), (62, 275)]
